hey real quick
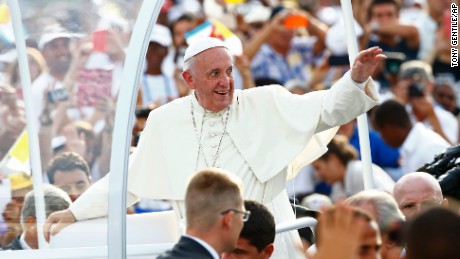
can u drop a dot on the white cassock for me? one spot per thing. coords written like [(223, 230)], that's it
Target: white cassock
[(270, 135)]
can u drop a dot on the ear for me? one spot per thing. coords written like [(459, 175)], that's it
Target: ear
[(268, 250), (227, 220), (388, 243), (188, 78), (445, 202)]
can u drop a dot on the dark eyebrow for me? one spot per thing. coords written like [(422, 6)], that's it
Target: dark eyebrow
[(239, 251), (365, 248)]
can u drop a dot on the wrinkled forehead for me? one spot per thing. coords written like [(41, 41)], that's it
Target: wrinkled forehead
[(418, 192)]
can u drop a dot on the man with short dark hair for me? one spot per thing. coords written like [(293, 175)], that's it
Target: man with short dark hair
[(215, 216), (69, 172), (388, 32), (258, 234), (392, 121)]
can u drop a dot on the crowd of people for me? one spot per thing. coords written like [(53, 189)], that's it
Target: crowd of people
[(265, 115)]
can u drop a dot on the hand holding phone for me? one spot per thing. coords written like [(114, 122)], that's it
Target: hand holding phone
[(58, 95)]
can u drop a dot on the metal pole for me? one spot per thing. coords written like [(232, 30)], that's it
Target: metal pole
[(363, 129), (296, 224), (31, 126), (116, 235)]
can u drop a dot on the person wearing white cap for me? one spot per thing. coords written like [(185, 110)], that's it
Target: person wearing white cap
[(263, 135), (54, 46), (156, 86)]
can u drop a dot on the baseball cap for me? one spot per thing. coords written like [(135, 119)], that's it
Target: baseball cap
[(49, 37), (417, 70), (257, 13), (52, 32), (161, 35), (20, 181)]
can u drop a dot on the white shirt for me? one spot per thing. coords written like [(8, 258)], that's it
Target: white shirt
[(22, 241), (427, 28), (354, 183), (420, 147), (158, 88), (447, 121), (43, 82), (449, 124)]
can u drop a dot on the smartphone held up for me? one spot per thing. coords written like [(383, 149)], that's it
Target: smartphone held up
[(58, 95), (99, 40)]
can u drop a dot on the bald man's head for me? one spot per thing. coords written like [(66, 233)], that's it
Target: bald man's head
[(416, 191)]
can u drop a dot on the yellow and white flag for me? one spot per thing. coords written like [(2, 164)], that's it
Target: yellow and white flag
[(17, 158)]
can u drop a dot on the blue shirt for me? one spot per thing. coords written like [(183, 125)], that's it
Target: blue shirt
[(267, 63), (382, 154)]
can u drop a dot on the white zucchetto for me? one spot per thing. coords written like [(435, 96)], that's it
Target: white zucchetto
[(201, 44)]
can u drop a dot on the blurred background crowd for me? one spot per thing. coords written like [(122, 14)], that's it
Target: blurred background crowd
[(76, 52)]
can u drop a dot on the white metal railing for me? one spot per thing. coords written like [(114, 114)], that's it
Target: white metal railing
[(132, 250), (296, 224), (31, 126), (85, 252)]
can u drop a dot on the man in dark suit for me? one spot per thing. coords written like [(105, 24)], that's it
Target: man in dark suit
[(215, 215)]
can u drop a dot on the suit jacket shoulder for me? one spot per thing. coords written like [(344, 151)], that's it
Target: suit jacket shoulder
[(186, 248)]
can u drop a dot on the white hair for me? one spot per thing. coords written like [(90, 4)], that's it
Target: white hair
[(383, 203)]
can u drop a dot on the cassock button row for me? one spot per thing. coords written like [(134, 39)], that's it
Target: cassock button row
[(211, 124), (213, 134)]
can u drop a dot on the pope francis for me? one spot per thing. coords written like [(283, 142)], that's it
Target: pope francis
[(263, 135)]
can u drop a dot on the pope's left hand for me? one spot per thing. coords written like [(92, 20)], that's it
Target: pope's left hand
[(365, 63)]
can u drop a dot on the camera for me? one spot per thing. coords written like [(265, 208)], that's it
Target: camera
[(393, 62), (335, 60), (446, 169), (58, 95), (416, 89)]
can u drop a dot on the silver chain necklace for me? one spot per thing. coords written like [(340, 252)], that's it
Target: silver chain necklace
[(198, 136)]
